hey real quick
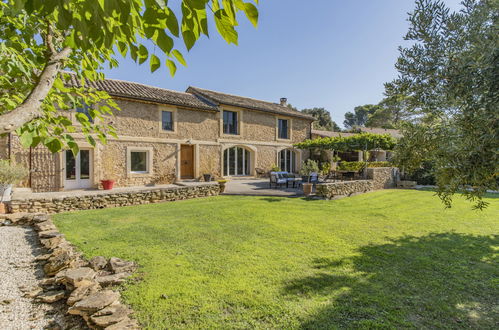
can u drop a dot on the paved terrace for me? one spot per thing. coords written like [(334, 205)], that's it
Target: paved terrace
[(259, 187)]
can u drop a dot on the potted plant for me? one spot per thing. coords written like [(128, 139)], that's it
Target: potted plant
[(109, 178), (208, 176), (9, 174), (275, 168), (222, 183), (308, 167)]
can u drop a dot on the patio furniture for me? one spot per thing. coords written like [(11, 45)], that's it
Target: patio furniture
[(294, 179), (278, 179), (314, 177)]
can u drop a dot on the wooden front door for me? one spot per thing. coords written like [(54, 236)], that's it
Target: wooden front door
[(187, 162)]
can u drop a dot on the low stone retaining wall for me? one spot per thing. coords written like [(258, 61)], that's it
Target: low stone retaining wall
[(378, 178), (87, 286), (107, 199)]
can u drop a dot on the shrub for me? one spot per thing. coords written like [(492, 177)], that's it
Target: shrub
[(423, 175), (325, 168), (379, 164), (11, 173), (351, 166)]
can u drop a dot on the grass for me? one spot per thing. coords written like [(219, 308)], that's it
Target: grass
[(391, 259)]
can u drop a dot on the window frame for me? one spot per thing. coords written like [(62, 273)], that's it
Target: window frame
[(173, 112), (149, 161), (172, 121), (236, 122), (289, 128)]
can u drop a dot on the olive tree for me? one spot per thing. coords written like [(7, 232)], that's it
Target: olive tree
[(450, 75)]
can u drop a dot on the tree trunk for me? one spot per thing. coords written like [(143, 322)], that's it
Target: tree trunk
[(31, 107)]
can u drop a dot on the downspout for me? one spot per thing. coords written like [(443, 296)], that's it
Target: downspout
[(30, 166), (9, 145)]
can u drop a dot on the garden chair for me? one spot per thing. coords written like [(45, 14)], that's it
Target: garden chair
[(277, 179), (314, 177)]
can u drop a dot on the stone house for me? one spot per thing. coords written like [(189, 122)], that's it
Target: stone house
[(166, 136), (375, 155)]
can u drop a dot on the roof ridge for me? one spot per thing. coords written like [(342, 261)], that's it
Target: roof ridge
[(245, 97)]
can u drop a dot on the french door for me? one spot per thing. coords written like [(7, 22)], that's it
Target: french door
[(236, 162), (77, 169)]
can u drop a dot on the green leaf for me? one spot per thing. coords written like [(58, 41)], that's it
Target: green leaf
[(171, 65), (143, 54), (178, 55), (172, 22), (225, 27), (251, 13), (154, 63), (26, 138), (164, 41), (189, 39), (53, 144)]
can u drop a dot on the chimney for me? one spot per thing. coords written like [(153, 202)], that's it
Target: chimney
[(284, 101)]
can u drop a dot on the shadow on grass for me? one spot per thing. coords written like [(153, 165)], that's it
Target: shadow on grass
[(437, 281)]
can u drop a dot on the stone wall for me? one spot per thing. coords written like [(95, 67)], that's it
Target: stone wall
[(377, 178), (383, 177), (343, 188), (110, 198)]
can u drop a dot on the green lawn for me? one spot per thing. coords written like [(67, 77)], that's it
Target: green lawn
[(393, 258)]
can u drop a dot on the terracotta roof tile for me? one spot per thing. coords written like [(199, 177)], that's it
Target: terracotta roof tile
[(132, 90), (246, 102)]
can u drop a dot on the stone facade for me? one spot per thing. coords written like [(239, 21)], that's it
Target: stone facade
[(377, 178), (138, 125), (107, 199)]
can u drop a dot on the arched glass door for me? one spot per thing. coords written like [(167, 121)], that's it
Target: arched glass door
[(237, 161), (287, 160)]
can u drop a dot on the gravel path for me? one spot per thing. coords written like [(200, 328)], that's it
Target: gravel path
[(19, 273)]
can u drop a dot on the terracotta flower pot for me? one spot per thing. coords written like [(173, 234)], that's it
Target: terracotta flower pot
[(107, 184), (307, 188)]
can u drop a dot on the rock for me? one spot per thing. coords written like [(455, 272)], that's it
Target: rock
[(45, 225), (110, 315), (49, 234), (6, 301), (85, 289), (98, 263), (112, 279), (74, 276), (51, 296), (126, 323), (57, 263), (40, 218), (43, 257), (33, 293), (47, 281), (94, 302), (51, 243), (118, 265)]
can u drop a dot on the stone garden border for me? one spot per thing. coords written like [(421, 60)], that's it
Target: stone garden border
[(83, 284), (109, 198)]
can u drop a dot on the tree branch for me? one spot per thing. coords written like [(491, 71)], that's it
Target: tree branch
[(31, 107)]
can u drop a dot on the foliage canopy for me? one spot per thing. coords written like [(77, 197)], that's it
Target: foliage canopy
[(357, 142), (38, 38), (450, 75)]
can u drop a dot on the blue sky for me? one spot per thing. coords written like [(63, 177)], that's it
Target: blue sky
[(334, 54)]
